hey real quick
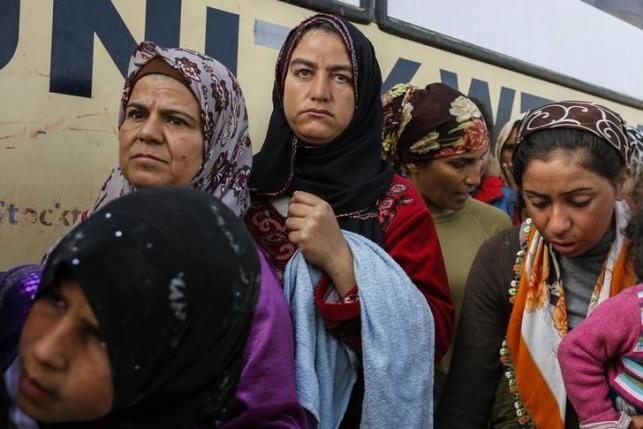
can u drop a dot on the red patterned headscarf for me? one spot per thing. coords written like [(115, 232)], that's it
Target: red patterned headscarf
[(434, 122)]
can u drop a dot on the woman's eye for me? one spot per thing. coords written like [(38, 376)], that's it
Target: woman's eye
[(97, 336), (94, 335), (458, 164), (342, 78), (175, 121), (303, 73), (539, 204), (135, 114), (580, 204), (54, 299)]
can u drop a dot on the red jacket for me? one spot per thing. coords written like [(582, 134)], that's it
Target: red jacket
[(409, 238)]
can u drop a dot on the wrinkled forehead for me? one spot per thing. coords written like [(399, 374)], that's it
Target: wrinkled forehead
[(324, 23)]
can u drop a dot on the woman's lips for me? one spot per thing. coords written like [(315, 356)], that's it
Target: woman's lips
[(318, 112), (563, 246), (144, 157), (33, 389)]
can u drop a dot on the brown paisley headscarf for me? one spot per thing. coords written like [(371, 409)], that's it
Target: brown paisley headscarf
[(585, 116), (224, 120), (434, 122)]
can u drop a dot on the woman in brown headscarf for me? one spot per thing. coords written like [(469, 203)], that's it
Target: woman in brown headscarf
[(529, 285), (437, 137)]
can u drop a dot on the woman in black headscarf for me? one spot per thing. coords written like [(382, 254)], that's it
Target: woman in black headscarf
[(320, 170), (129, 329)]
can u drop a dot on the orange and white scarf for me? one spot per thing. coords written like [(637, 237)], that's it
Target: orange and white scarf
[(539, 321)]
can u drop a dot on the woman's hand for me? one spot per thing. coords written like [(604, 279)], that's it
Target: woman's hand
[(314, 229), (637, 422)]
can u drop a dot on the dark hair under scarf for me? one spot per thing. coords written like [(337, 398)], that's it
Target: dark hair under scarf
[(573, 125), (172, 277), (348, 173)]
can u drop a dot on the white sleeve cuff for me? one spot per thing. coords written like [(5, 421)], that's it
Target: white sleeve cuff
[(622, 423)]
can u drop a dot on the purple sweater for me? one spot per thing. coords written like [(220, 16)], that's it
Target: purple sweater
[(266, 394), (604, 354)]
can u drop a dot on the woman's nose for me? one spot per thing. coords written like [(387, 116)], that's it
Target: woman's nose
[(52, 348), (320, 88), (151, 130), (559, 222), (473, 174)]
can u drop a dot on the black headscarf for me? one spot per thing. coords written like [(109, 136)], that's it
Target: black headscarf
[(172, 276), (348, 173)]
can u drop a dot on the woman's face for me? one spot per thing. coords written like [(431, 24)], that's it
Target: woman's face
[(161, 140), (65, 371), (508, 147), (319, 99), (447, 183), (571, 206)]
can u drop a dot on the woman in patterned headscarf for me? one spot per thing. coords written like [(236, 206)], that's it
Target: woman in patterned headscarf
[(183, 122), (531, 284), (632, 192), (438, 137), (172, 137)]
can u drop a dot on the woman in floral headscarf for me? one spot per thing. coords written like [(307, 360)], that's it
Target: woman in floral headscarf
[(530, 285), (183, 122), (438, 137)]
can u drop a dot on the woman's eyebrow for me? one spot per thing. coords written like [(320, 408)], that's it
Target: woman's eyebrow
[(572, 191), (303, 62), (340, 67), (165, 111), (136, 105), (535, 194), (312, 65)]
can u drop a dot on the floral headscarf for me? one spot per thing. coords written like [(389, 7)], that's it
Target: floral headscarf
[(224, 119), (635, 151), (434, 122)]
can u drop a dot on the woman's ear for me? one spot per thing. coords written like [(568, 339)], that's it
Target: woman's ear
[(412, 168)]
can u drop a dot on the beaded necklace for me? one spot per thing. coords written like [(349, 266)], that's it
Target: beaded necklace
[(505, 358)]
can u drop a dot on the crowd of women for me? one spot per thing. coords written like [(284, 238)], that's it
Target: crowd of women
[(353, 273)]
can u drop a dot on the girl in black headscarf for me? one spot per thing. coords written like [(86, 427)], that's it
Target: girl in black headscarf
[(320, 170), (135, 292)]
